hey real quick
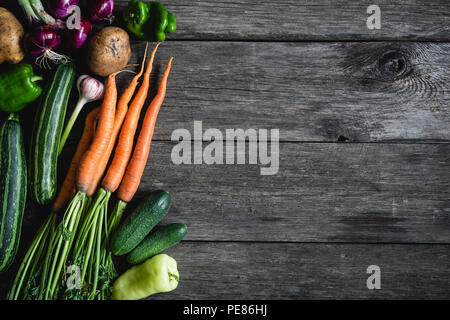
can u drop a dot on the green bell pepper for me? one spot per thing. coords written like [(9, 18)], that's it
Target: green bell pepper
[(157, 274), (149, 20), (18, 88)]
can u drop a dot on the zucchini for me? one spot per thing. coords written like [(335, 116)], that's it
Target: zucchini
[(48, 126), (13, 188), (157, 242), (140, 222)]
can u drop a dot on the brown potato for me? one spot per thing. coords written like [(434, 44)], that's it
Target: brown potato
[(108, 51), (11, 35)]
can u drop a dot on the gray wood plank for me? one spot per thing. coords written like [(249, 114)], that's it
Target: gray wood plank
[(310, 91), (293, 20), (308, 271), (339, 192), (307, 20), (221, 270)]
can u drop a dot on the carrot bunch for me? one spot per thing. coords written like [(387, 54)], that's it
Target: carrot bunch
[(81, 238), (91, 249), (89, 252)]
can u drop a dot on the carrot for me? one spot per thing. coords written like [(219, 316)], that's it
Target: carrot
[(135, 168), (126, 138), (122, 108), (89, 162), (67, 189)]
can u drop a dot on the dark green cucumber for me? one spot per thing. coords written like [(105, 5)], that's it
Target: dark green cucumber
[(47, 131), (13, 189), (140, 222), (157, 242)]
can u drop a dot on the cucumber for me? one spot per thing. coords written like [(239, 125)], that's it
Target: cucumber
[(13, 188), (140, 222), (47, 130), (157, 241)]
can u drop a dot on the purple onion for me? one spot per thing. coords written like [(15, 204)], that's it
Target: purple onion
[(101, 10), (42, 42), (58, 8), (42, 39), (77, 37)]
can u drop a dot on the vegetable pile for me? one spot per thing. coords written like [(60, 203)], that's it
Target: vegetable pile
[(80, 235), (65, 22)]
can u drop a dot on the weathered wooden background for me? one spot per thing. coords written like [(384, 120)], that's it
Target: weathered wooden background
[(364, 178)]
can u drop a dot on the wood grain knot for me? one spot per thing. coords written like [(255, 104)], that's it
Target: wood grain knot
[(392, 65), (413, 70)]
